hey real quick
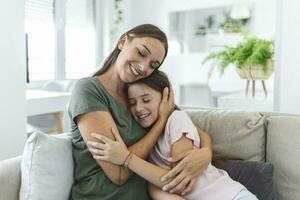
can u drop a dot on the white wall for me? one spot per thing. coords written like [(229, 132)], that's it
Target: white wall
[(12, 81), (153, 11), (263, 16), (187, 67), (287, 66)]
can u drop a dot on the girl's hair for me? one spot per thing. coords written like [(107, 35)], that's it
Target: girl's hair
[(157, 81), (144, 30)]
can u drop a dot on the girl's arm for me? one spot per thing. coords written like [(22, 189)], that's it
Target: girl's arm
[(90, 123), (157, 194)]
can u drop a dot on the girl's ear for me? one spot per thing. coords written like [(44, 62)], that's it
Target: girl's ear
[(122, 42)]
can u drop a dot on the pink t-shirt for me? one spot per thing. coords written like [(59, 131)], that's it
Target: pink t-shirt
[(213, 183)]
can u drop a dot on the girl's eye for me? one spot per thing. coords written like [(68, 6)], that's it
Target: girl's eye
[(146, 100), (131, 103)]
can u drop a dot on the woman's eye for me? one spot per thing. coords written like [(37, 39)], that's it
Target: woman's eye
[(146, 100), (153, 66), (140, 53)]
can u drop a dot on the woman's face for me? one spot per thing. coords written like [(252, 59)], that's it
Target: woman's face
[(144, 104), (138, 58)]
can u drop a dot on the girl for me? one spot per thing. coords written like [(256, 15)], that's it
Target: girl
[(98, 104), (180, 134)]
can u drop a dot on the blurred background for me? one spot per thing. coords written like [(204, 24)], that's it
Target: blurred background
[(47, 45)]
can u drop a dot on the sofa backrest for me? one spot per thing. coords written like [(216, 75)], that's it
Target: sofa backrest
[(235, 135), (274, 137), (10, 178), (283, 150)]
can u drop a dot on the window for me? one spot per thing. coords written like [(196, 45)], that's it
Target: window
[(79, 38), (39, 27), (71, 49)]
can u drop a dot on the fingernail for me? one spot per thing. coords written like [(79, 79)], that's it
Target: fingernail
[(162, 179), (164, 189)]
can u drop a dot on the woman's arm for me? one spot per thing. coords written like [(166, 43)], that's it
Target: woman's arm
[(116, 152), (191, 164), (90, 123)]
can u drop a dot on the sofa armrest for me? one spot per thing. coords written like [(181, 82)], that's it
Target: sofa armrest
[(10, 178)]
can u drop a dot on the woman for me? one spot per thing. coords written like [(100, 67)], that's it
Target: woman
[(180, 134), (98, 104)]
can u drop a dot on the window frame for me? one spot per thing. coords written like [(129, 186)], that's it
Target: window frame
[(59, 23)]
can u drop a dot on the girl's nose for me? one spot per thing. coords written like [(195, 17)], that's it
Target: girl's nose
[(138, 107)]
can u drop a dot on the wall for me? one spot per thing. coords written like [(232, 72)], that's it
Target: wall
[(287, 90), (12, 82), (263, 25), (264, 16)]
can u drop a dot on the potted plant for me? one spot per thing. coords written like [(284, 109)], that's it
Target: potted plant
[(253, 58)]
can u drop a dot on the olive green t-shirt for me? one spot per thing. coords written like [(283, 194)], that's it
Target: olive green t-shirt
[(90, 182)]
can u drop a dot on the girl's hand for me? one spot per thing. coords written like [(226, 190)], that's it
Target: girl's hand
[(183, 176), (106, 149), (167, 104)]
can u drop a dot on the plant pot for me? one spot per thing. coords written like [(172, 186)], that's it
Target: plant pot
[(255, 72)]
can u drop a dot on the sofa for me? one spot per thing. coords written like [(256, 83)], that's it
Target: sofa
[(236, 135)]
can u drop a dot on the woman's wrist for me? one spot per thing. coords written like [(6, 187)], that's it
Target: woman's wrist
[(163, 119), (208, 153), (127, 160)]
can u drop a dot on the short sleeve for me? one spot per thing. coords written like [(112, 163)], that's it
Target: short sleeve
[(179, 123), (87, 96)]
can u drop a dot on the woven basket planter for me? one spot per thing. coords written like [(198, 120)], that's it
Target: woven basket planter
[(255, 72)]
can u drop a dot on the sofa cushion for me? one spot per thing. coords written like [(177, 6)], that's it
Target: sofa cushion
[(47, 167), (10, 178), (236, 135), (283, 150), (257, 177)]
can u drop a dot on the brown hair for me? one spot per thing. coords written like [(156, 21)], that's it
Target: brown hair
[(144, 30), (157, 81)]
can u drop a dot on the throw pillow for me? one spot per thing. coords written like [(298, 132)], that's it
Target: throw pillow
[(257, 177), (47, 167)]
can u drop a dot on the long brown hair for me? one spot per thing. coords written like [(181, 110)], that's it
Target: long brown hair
[(144, 30)]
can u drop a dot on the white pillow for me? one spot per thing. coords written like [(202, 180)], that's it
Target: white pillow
[(47, 167)]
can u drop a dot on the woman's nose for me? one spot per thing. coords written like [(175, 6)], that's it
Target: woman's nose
[(142, 69)]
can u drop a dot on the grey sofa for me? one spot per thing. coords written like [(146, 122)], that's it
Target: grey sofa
[(253, 136)]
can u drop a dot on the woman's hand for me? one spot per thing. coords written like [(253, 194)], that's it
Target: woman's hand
[(167, 104), (106, 149), (183, 176)]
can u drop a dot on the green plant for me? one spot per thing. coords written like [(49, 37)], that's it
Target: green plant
[(233, 25), (251, 51)]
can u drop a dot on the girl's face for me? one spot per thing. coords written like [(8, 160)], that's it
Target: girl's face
[(138, 58), (144, 104)]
